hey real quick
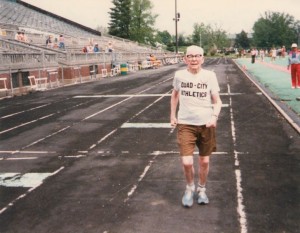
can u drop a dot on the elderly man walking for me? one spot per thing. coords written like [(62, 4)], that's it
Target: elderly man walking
[(196, 91)]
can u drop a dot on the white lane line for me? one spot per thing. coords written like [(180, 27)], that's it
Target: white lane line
[(105, 109), (26, 152), (26, 123), (48, 136), (23, 158), (35, 185), (115, 130), (139, 95), (134, 187), (177, 152), (73, 156), (102, 139), (17, 113), (240, 206), (10, 153), (120, 96), (146, 125)]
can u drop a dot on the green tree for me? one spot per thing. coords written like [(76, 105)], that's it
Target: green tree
[(120, 17), (209, 37), (142, 22), (198, 34), (163, 37), (242, 40), (181, 40), (275, 29)]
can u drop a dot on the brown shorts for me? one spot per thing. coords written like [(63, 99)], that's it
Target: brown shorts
[(189, 136)]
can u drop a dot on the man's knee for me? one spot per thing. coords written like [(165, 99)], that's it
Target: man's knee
[(187, 160), (204, 161)]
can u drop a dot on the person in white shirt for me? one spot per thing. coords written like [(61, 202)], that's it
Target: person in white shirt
[(294, 64), (196, 91)]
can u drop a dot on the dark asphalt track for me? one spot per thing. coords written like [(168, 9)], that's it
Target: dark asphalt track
[(85, 158)]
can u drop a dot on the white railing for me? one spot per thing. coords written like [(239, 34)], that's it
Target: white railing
[(27, 60)]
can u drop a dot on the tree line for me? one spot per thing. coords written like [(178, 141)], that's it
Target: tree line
[(134, 20)]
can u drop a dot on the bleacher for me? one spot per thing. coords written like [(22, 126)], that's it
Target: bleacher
[(19, 60)]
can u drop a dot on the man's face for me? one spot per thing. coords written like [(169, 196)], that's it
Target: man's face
[(194, 60)]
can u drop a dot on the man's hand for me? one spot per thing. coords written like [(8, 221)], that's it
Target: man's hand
[(212, 122), (173, 121)]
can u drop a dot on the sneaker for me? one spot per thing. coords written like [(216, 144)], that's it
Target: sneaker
[(202, 197), (188, 197), (293, 87)]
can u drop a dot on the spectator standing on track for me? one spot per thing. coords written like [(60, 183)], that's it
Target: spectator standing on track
[(196, 91), (262, 55), (294, 64), (283, 51), (273, 54), (253, 55)]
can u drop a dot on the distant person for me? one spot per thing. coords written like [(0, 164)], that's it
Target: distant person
[(84, 49), (273, 54), (22, 37), (49, 43), (61, 41), (110, 47), (196, 92), (96, 48), (90, 48), (283, 51), (294, 65), (253, 55), (262, 54), (25, 37), (18, 36)]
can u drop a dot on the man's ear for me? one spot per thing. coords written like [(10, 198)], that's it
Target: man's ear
[(202, 60)]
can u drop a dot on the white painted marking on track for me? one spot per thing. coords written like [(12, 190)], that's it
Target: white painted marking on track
[(23, 158), (73, 156), (103, 110), (17, 113), (120, 96), (139, 95), (134, 187), (240, 198), (238, 176), (29, 191), (48, 136), (27, 180), (146, 125), (26, 123), (13, 152)]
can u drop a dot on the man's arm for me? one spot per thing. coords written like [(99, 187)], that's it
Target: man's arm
[(217, 105), (174, 104)]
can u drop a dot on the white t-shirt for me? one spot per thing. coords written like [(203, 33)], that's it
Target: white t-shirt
[(195, 90)]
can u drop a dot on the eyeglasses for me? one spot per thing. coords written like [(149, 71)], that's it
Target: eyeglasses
[(190, 56)]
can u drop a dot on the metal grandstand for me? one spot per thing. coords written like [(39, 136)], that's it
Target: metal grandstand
[(20, 59)]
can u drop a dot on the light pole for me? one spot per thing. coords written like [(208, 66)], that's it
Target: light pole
[(177, 16)]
